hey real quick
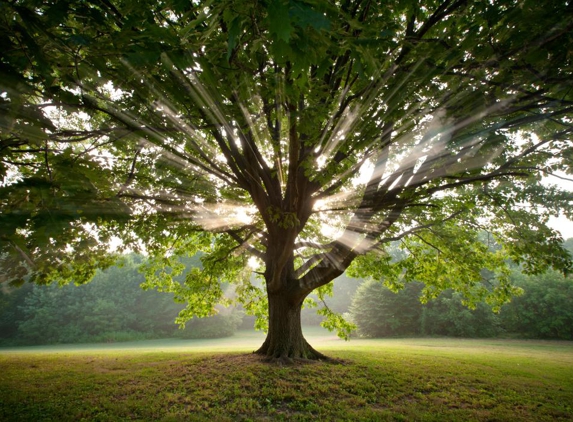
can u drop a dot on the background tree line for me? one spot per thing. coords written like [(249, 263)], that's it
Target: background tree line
[(543, 311), (112, 308), (115, 308)]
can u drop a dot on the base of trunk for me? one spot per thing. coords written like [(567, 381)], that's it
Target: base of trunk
[(283, 353), (285, 342)]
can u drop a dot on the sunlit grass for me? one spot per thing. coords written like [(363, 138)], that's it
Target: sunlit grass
[(391, 379)]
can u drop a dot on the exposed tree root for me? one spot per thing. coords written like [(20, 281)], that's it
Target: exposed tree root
[(305, 353)]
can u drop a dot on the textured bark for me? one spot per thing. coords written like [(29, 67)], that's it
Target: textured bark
[(285, 341)]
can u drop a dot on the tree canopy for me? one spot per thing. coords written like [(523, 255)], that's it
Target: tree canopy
[(298, 137)]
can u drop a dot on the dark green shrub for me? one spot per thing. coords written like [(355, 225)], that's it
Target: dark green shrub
[(545, 310), (447, 316), (11, 303)]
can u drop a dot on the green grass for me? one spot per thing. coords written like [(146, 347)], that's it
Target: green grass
[(218, 380)]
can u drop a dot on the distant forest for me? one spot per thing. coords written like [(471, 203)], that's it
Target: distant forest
[(113, 308)]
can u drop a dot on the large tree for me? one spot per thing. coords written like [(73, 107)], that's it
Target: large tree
[(299, 137)]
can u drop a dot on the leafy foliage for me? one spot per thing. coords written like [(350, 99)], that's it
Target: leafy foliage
[(239, 128), (343, 289)]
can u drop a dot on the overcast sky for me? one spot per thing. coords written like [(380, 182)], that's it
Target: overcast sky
[(563, 225)]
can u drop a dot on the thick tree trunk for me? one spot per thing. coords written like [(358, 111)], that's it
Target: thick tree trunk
[(285, 341)]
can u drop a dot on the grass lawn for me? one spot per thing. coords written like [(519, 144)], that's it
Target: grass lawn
[(218, 380)]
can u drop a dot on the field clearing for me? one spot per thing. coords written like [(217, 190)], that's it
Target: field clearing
[(218, 380)]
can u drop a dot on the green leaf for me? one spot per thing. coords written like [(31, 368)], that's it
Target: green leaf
[(234, 33), (279, 20), (303, 16)]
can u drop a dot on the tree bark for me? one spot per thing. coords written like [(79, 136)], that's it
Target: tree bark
[(285, 341)]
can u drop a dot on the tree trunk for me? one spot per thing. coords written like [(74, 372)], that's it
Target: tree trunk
[(285, 341)]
